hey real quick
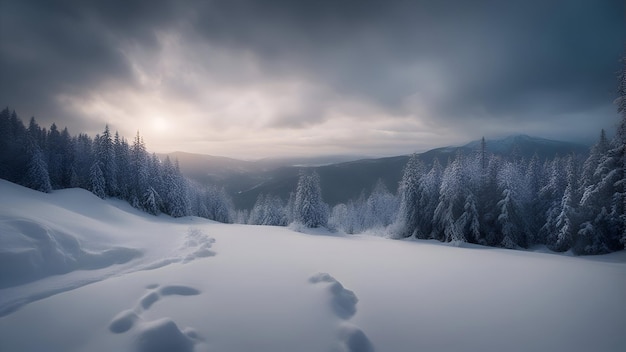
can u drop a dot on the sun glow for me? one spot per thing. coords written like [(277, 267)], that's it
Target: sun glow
[(159, 124)]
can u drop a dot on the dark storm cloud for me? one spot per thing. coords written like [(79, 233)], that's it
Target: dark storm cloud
[(500, 55), (520, 59), (69, 47)]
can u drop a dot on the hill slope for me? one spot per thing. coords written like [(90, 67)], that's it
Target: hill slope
[(236, 288)]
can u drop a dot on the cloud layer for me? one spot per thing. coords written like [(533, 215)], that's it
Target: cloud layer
[(258, 78)]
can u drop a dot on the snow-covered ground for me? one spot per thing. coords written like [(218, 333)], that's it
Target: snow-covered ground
[(82, 274)]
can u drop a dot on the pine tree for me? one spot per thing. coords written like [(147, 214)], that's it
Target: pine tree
[(533, 181), (407, 223), (151, 201), (83, 159), (274, 213), (550, 199), (257, 214), (309, 209), (469, 222), (105, 154), (37, 176), (512, 210), (122, 162), (69, 176), (220, 205), (429, 191), (96, 180), (55, 157), (567, 220), (452, 197), (592, 236), (176, 197), (381, 207), (138, 172), (489, 196)]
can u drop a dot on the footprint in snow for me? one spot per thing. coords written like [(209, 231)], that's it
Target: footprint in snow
[(343, 301), (353, 339), (161, 335)]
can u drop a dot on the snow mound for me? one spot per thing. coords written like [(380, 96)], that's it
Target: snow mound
[(30, 250), (56, 242)]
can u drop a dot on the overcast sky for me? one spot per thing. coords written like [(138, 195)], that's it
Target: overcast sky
[(258, 78)]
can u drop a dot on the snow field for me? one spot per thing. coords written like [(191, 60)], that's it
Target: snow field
[(217, 287)]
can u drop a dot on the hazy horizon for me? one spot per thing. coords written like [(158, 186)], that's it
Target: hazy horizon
[(250, 80)]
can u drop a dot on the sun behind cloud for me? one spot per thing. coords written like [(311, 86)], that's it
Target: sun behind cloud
[(159, 124)]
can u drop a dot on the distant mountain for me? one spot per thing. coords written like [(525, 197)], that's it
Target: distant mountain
[(526, 146), (342, 181)]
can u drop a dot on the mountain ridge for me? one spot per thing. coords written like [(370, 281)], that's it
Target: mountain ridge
[(342, 181)]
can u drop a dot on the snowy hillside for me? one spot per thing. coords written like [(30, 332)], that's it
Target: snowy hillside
[(78, 273)]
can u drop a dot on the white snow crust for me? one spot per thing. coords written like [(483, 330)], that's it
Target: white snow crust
[(78, 273)]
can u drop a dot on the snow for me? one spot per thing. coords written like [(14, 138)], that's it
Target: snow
[(136, 282)]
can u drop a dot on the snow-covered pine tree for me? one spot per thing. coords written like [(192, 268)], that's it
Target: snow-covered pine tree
[(512, 211), (451, 205), (241, 216), (68, 166), (619, 152), (151, 201), (429, 187), (105, 153), (257, 214), (96, 180), (489, 196), (83, 159), (533, 180), (469, 221), (407, 221), (589, 178), (176, 198), (381, 207), (274, 213), (220, 205), (338, 218), (567, 221), (550, 197), (309, 208), (592, 237), (54, 150), (138, 171), (37, 176), (122, 162), (473, 178)]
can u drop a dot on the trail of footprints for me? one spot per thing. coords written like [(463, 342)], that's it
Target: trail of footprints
[(343, 302), (163, 335), (160, 335)]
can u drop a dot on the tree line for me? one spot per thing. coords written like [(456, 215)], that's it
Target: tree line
[(107, 165), (566, 203)]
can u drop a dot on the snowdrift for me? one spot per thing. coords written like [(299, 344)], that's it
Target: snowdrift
[(83, 274)]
